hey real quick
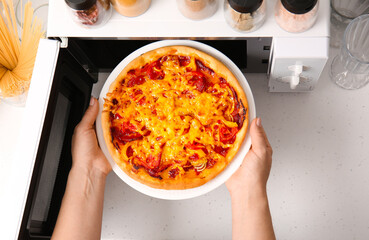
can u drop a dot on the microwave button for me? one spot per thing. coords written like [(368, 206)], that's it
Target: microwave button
[(293, 80)]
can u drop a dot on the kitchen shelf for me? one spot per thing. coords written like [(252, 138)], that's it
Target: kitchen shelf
[(164, 20)]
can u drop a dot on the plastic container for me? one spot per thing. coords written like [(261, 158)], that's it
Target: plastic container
[(296, 15), (197, 9), (245, 15), (89, 13), (131, 8)]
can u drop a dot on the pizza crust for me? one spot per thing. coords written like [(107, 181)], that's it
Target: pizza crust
[(184, 183)]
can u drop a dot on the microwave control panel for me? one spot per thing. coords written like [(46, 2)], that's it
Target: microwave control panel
[(296, 63)]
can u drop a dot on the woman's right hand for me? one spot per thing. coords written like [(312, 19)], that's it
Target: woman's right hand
[(255, 168)]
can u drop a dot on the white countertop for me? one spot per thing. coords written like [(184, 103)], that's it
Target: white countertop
[(317, 187), (10, 120)]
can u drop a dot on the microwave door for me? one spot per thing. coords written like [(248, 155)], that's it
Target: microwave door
[(63, 107)]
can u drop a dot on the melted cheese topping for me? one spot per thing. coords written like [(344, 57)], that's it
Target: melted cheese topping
[(178, 119)]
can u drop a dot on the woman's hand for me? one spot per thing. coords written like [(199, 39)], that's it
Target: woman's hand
[(255, 168), (86, 152), (80, 215), (251, 217)]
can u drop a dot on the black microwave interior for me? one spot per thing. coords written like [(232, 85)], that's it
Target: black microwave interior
[(76, 71), (250, 55)]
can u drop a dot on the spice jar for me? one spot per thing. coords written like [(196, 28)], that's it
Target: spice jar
[(197, 9), (105, 4), (296, 15), (131, 8), (89, 13), (245, 15)]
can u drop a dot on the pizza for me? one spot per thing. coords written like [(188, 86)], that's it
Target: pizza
[(174, 118)]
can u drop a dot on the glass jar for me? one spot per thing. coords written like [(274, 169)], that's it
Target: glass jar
[(296, 15), (245, 15), (89, 13), (197, 9), (131, 8), (18, 99)]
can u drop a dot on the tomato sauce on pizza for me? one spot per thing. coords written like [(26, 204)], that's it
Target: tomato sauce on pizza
[(174, 118)]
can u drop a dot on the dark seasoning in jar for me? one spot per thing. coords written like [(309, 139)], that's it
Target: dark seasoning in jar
[(89, 13)]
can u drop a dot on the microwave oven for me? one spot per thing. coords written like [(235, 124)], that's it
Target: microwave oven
[(69, 62)]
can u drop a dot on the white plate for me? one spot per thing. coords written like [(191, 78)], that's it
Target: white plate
[(220, 178)]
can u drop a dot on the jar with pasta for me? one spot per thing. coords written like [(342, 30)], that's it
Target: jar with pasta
[(17, 52), (245, 15)]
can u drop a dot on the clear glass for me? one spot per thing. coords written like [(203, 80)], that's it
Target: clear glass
[(94, 17), (350, 68), (244, 22), (343, 11), (16, 100), (197, 9), (350, 8), (295, 23), (131, 8)]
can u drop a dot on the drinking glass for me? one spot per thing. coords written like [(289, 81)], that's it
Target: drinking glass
[(343, 12), (350, 68)]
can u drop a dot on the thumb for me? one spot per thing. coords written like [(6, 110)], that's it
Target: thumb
[(259, 139), (90, 114)]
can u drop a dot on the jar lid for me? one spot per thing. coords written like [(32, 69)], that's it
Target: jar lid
[(80, 4), (299, 6), (245, 6)]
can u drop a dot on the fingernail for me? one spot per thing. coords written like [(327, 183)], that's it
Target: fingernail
[(92, 101), (258, 122)]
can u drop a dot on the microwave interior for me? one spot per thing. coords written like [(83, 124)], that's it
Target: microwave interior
[(250, 55), (76, 72)]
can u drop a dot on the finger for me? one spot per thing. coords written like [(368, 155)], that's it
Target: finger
[(89, 118), (259, 139)]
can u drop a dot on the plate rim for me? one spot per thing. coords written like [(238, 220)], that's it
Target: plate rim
[(223, 176)]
